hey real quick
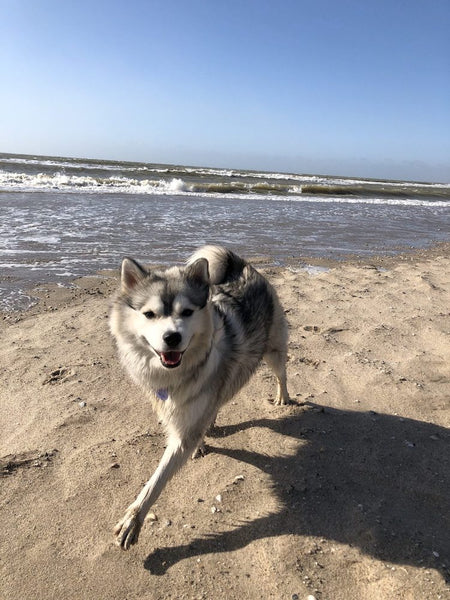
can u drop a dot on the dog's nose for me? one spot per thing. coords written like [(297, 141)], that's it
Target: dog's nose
[(172, 338)]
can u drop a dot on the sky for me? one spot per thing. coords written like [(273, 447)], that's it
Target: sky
[(340, 87)]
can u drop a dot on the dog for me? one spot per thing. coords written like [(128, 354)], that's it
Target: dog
[(191, 337)]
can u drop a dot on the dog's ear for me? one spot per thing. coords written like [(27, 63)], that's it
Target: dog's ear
[(198, 273), (131, 274)]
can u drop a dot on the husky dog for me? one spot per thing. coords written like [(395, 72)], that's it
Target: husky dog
[(191, 337)]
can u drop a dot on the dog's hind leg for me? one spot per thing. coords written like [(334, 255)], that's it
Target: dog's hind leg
[(276, 352), (128, 528), (276, 359)]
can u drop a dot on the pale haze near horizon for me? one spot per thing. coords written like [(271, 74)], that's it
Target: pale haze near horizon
[(340, 88)]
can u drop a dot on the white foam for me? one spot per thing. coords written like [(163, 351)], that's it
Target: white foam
[(175, 185), (120, 184), (76, 164), (42, 239), (312, 270), (331, 199)]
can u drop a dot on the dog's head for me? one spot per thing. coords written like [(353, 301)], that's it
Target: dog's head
[(168, 307)]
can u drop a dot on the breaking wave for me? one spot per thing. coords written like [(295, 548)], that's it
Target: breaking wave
[(71, 175), (75, 183), (231, 188)]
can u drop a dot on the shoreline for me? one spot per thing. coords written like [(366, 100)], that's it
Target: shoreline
[(104, 282)]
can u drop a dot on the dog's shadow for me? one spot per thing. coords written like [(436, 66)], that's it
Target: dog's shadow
[(376, 481)]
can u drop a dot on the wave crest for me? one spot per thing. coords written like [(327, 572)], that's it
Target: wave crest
[(202, 183)]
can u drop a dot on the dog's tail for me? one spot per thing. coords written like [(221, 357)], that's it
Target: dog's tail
[(223, 264)]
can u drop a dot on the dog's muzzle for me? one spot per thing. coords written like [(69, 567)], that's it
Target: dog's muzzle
[(170, 359)]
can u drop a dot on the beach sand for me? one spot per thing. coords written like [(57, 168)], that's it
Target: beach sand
[(344, 494)]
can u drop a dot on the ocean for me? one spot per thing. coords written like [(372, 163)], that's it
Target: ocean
[(64, 217)]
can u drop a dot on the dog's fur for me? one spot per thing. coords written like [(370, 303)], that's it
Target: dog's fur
[(191, 337)]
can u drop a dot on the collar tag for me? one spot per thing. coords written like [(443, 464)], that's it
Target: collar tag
[(162, 394)]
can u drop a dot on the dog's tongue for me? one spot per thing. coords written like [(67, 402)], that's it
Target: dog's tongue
[(171, 358)]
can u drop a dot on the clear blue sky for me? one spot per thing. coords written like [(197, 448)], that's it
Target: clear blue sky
[(349, 87)]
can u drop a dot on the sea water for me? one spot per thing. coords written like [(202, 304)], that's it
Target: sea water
[(62, 218)]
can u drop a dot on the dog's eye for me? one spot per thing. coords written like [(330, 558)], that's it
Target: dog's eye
[(149, 314), (187, 312)]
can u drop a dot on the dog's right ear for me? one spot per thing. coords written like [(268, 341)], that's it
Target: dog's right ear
[(198, 272), (131, 274)]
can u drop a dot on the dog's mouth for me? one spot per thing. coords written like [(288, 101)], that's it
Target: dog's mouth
[(170, 359)]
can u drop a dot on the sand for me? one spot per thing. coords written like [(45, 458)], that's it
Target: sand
[(344, 494)]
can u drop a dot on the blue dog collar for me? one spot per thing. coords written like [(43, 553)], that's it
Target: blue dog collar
[(162, 394)]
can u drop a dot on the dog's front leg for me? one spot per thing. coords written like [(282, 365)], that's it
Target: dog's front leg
[(128, 528)]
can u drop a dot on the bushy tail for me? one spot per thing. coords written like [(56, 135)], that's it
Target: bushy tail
[(223, 264)]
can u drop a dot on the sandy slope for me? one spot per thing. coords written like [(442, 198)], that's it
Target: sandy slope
[(342, 495)]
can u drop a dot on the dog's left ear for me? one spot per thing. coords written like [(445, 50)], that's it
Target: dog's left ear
[(198, 272)]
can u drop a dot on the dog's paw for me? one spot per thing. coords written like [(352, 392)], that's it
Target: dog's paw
[(128, 528), (199, 451), (282, 400)]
